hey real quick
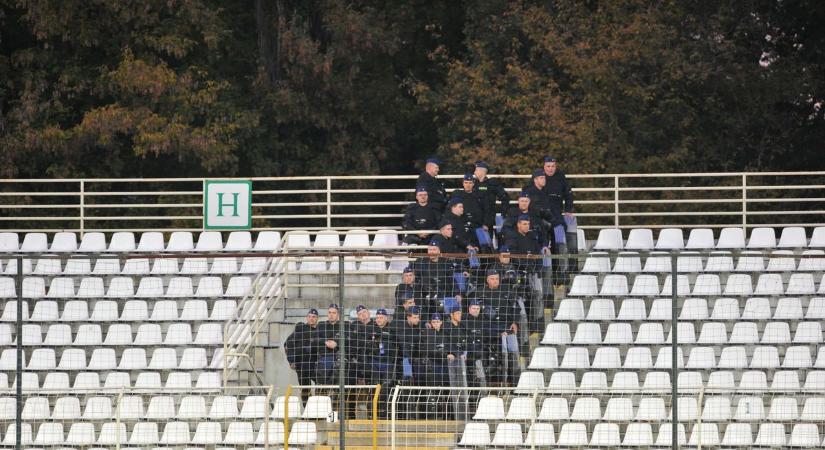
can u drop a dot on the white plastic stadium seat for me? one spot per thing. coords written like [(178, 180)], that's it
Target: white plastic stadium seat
[(609, 239), (731, 238), (762, 238), (639, 239), (670, 239), (700, 238)]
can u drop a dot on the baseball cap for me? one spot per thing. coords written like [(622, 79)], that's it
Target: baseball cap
[(414, 310), (492, 272), (548, 159), (454, 201), (475, 302), (360, 308), (334, 306), (433, 160), (538, 173), (523, 194), (435, 316), (381, 312), (313, 311), (523, 217), (503, 249), (469, 177), (482, 165), (408, 269), (420, 189)]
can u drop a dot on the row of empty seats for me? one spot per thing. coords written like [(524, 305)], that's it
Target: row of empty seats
[(749, 381), (703, 239), (715, 408), (136, 266), (778, 261), (113, 311), (123, 287), (151, 241), (477, 434), (705, 284), (162, 407), (152, 433), (641, 358), (724, 308), (103, 359), (91, 381), (148, 334)]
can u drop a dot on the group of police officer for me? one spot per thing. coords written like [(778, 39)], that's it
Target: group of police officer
[(457, 321)]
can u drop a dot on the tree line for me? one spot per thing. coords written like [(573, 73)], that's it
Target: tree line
[(92, 88)]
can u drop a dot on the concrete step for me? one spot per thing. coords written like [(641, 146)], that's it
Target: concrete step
[(406, 425), (424, 438)]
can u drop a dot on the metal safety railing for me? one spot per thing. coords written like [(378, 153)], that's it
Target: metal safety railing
[(656, 200)]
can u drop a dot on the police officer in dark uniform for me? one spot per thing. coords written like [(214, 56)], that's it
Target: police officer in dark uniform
[(359, 357), (409, 332), (539, 201), (457, 361), (434, 276), (435, 349), (407, 286), (508, 312), (382, 353), (302, 350), (478, 337), (490, 191), (560, 197), (462, 232), (446, 240), (559, 191), (472, 201), (435, 190), (420, 216), (523, 207), (527, 243), (328, 346)]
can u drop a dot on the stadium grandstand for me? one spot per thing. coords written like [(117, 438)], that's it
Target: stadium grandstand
[(687, 311)]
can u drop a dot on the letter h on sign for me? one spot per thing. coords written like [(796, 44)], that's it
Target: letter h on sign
[(227, 204)]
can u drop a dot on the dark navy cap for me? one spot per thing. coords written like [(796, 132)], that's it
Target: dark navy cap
[(433, 160), (548, 159), (313, 311), (453, 308), (454, 201), (420, 189), (475, 302), (381, 312), (408, 269), (469, 177), (503, 249), (334, 306), (492, 272), (538, 173), (414, 310), (435, 316), (482, 164), (523, 194), (524, 217), (360, 308), (442, 224), (434, 243)]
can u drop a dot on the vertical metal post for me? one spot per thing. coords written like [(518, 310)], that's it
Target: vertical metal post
[(18, 418), (329, 203), (82, 207), (342, 370), (674, 399), (745, 202), (616, 201)]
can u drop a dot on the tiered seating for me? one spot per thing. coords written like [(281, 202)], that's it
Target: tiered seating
[(750, 316), (84, 311), (164, 420)]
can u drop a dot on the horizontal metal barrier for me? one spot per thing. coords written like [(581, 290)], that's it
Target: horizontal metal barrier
[(371, 202)]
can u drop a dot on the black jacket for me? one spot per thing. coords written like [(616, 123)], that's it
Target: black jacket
[(501, 305), (559, 197), (436, 194), (525, 244), (457, 337), (539, 201), (302, 345), (474, 208), (462, 234), (436, 344), (419, 217), (536, 224), (435, 278), (491, 191), (410, 340), (328, 331)]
